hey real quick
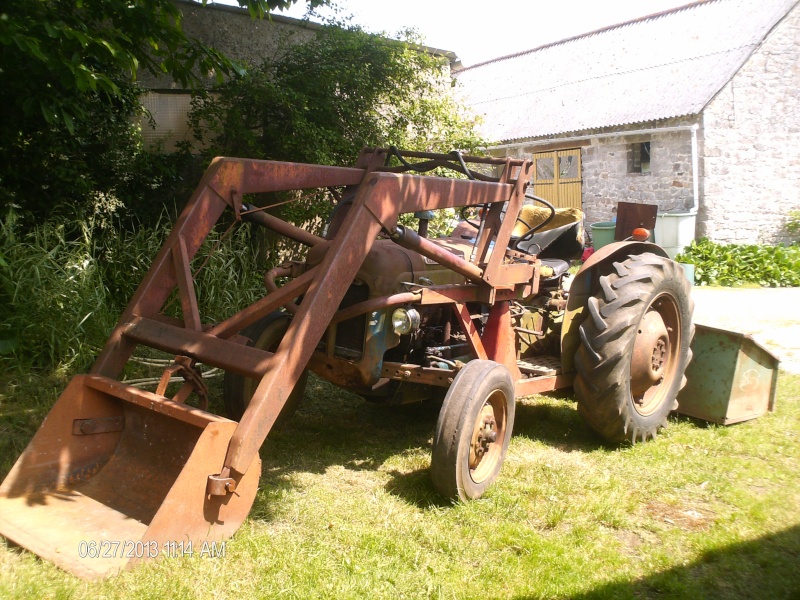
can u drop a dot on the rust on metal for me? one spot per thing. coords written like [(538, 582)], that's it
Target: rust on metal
[(269, 282), (545, 383), (411, 240), (499, 339), (94, 426), (150, 469), (418, 374), (473, 337), (203, 347), (375, 304), (281, 227)]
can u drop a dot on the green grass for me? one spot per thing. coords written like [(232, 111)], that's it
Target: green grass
[(346, 509), (62, 292)]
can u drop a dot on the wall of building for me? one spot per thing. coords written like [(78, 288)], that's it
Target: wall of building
[(607, 179), (605, 167), (751, 149), (232, 31)]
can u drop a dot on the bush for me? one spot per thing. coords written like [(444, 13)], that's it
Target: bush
[(60, 297), (322, 101), (732, 264)]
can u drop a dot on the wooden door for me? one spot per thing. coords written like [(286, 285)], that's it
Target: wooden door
[(557, 177)]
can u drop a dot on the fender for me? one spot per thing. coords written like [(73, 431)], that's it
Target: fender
[(581, 290)]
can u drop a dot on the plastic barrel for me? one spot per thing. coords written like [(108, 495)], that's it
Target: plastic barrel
[(602, 233)]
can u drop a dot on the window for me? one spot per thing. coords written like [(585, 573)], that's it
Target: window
[(544, 168), (639, 157)]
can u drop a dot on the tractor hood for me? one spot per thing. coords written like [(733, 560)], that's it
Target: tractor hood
[(388, 267)]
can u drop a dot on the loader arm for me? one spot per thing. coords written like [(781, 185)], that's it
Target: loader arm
[(101, 450), (222, 186)]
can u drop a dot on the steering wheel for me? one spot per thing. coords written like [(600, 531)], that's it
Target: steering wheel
[(531, 230)]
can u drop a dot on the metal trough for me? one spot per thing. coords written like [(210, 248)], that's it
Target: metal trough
[(732, 378)]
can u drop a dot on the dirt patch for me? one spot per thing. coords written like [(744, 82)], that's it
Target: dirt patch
[(688, 518)]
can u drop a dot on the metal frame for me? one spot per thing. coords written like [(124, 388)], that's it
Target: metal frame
[(379, 195), (382, 195)]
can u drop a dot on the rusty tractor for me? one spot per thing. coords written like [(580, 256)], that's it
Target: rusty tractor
[(478, 319)]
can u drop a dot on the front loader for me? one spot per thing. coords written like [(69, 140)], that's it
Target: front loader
[(116, 474)]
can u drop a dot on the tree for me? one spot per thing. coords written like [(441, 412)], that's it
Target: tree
[(68, 87), (322, 101)]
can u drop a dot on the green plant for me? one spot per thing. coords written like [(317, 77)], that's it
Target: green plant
[(793, 222), (61, 296), (732, 264), (68, 89), (322, 101)]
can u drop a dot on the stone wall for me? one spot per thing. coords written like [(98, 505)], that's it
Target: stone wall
[(605, 167), (607, 180), (232, 31), (751, 164)]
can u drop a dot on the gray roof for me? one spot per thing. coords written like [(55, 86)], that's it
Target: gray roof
[(665, 65)]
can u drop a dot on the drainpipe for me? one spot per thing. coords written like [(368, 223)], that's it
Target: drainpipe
[(695, 171), (692, 128)]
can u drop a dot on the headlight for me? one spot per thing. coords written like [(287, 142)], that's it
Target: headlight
[(405, 320)]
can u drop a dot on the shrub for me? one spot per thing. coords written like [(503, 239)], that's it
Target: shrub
[(60, 297), (322, 101), (732, 264)]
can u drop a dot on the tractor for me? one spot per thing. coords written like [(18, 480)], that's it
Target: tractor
[(475, 320)]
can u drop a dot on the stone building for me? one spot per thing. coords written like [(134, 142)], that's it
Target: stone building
[(232, 31), (696, 109)]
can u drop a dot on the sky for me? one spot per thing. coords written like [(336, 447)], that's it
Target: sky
[(478, 31)]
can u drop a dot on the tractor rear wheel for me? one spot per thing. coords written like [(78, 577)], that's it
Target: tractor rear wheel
[(635, 346), (473, 430), (265, 334)]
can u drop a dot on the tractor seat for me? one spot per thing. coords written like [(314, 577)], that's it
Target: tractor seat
[(561, 238), (565, 243), (558, 267)]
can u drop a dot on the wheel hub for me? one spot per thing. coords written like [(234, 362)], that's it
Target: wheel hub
[(650, 353), (483, 436)]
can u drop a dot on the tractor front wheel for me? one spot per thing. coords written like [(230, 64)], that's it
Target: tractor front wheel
[(473, 430), (635, 346), (265, 334)]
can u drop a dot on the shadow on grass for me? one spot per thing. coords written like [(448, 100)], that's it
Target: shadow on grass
[(557, 424), (333, 428), (416, 488), (762, 568)]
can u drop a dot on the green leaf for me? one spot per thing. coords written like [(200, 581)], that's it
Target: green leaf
[(8, 345), (68, 122)]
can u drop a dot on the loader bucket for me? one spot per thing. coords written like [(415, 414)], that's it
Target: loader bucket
[(116, 475)]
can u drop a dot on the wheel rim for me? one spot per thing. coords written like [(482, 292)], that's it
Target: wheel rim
[(655, 355), (488, 433)]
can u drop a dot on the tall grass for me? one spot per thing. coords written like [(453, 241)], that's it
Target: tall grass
[(61, 292)]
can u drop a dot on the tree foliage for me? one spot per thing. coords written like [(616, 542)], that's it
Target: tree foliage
[(68, 87), (322, 101)]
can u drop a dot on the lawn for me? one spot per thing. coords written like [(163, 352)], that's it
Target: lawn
[(346, 509)]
